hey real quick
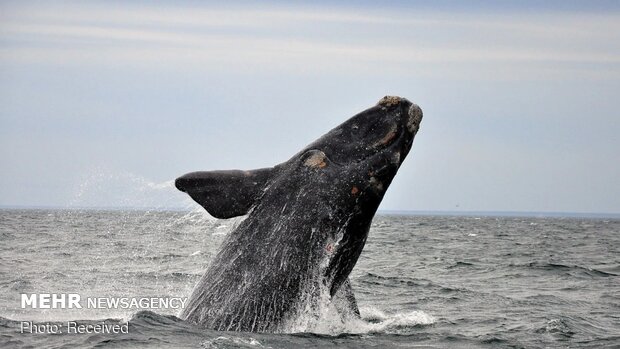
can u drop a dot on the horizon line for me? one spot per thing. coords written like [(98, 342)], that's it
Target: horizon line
[(490, 213)]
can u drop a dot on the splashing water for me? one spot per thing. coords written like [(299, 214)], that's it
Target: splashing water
[(329, 321), (377, 321), (101, 187), (232, 341)]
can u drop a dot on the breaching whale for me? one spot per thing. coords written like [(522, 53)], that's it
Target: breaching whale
[(307, 222)]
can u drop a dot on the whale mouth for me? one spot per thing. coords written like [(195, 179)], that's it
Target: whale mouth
[(403, 130), (385, 169), (414, 113), (411, 120)]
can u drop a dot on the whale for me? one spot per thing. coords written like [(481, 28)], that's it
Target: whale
[(306, 223)]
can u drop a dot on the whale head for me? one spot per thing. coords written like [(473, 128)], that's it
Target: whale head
[(368, 148), (348, 171)]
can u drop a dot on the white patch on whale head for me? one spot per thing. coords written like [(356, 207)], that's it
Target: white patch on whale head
[(377, 184), (316, 160), (415, 116), (389, 101)]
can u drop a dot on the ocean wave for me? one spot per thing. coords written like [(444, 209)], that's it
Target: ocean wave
[(377, 321), (459, 264), (557, 327), (164, 257), (162, 276), (232, 342), (394, 281), (557, 267), (149, 318)]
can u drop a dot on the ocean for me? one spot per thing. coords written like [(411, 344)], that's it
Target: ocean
[(421, 281)]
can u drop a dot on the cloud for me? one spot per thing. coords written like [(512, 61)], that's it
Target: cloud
[(319, 40)]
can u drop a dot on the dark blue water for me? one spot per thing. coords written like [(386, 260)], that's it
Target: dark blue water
[(438, 282)]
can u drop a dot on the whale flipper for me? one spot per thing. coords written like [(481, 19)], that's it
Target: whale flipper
[(225, 194)]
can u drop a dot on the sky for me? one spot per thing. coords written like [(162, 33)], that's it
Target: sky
[(103, 104)]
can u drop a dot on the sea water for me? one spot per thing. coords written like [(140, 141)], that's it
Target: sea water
[(421, 281)]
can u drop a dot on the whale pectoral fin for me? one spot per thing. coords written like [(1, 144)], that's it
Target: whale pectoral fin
[(225, 194), (344, 301)]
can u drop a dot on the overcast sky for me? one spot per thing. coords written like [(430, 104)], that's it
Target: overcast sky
[(104, 103)]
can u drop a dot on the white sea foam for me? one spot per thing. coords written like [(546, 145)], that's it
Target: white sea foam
[(378, 321), (372, 320), (237, 342)]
